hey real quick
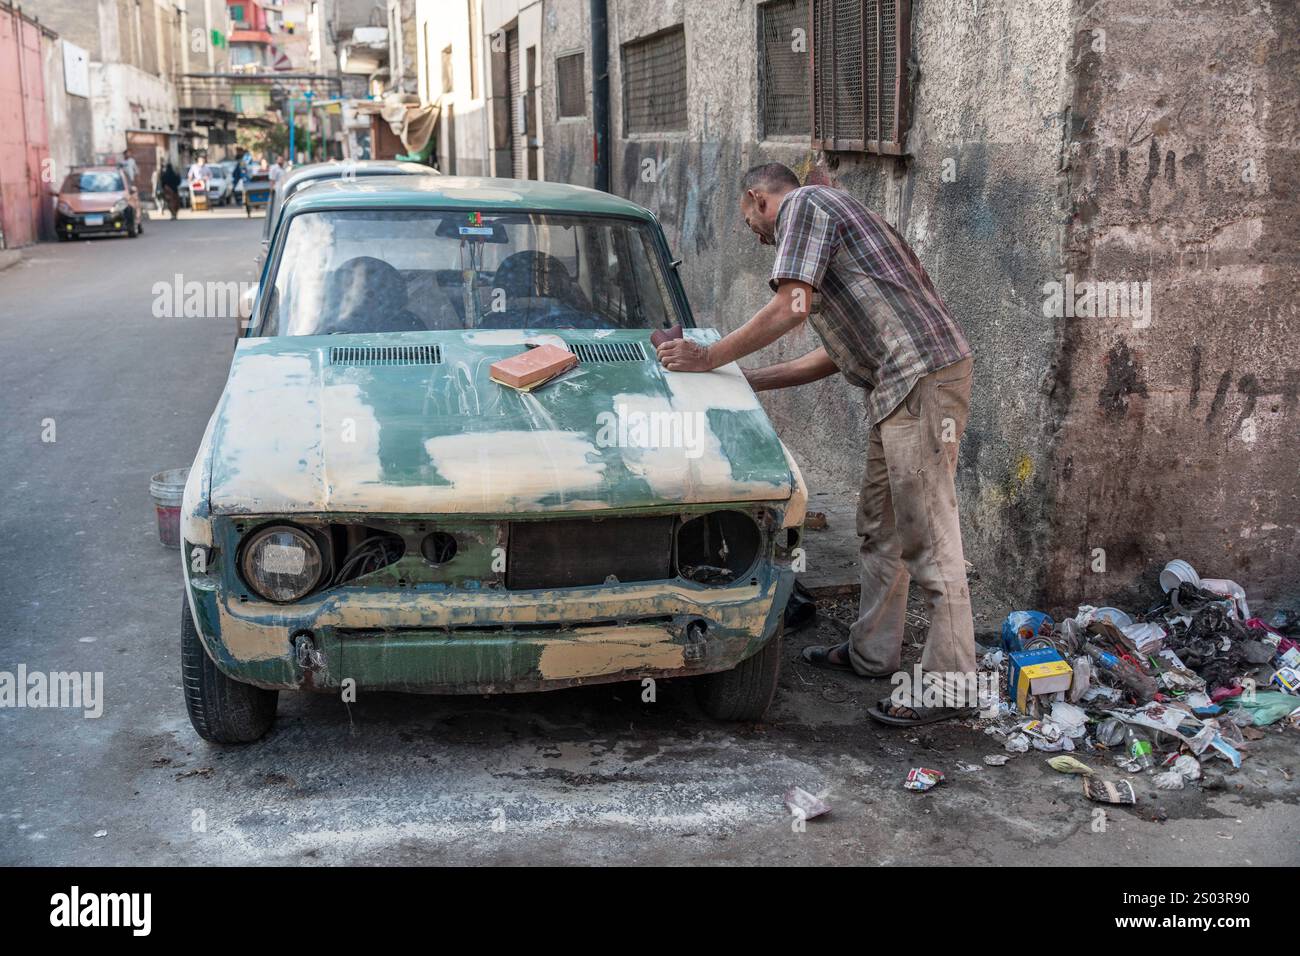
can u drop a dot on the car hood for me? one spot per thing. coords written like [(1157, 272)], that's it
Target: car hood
[(362, 423)]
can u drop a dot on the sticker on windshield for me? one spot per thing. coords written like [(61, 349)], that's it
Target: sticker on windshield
[(475, 227)]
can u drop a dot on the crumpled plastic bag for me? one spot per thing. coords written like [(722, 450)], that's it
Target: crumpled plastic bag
[(1020, 627), (1069, 765), (1268, 707), (1171, 780), (1071, 719)]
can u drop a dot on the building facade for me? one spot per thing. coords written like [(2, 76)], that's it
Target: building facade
[(1119, 244)]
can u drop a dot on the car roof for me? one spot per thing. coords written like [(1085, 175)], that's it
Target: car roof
[(362, 167), (93, 169), (463, 192)]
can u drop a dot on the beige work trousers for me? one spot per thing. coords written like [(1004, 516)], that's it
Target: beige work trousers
[(907, 517)]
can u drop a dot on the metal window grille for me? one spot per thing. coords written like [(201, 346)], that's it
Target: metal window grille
[(570, 85), (654, 83), (860, 92), (783, 67)]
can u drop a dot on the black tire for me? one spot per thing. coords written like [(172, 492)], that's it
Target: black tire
[(222, 710), (746, 691)]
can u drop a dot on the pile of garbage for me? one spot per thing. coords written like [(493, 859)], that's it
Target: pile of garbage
[(1176, 693)]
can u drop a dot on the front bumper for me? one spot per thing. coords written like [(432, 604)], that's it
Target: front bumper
[(452, 641), (78, 226)]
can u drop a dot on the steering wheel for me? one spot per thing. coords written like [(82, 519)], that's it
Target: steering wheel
[(563, 316)]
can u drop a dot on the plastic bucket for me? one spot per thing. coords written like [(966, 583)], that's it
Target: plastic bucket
[(167, 488), (1178, 572)]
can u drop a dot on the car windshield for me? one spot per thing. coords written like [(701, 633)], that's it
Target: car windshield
[(92, 183), (397, 271)]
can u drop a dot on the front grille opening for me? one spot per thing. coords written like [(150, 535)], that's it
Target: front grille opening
[(717, 548), (359, 551), (583, 552), (589, 352), (371, 355)]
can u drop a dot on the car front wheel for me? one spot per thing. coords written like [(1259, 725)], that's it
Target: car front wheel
[(745, 691), (222, 710)]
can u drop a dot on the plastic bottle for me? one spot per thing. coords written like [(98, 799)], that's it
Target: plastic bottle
[(1143, 687), (1139, 748)]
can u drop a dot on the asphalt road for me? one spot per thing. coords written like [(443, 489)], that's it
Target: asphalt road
[(581, 776)]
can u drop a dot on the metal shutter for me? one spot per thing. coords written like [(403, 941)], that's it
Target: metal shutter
[(654, 83), (783, 82)]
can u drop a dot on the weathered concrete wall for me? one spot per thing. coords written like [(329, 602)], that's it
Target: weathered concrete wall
[(979, 198), (566, 26), (69, 123), (1178, 438), (465, 120), (132, 62)]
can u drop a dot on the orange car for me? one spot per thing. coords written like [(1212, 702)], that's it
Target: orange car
[(97, 199)]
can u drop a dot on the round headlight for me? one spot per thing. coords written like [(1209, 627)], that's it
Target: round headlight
[(119, 206), (281, 563)]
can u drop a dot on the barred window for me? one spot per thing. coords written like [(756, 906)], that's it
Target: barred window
[(570, 85), (654, 83), (860, 93), (783, 68)]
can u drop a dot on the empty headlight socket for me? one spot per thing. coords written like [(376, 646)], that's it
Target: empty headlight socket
[(718, 547)]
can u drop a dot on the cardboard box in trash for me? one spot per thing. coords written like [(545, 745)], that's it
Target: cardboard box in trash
[(1037, 672)]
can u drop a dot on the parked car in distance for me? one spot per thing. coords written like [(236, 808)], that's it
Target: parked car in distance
[(220, 188), (301, 177), (368, 505), (95, 200)]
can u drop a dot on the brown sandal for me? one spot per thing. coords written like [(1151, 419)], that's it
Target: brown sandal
[(920, 715)]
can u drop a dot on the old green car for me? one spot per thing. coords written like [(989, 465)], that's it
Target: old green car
[(370, 510)]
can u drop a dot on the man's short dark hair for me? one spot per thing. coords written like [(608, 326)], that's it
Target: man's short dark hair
[(769, 177)]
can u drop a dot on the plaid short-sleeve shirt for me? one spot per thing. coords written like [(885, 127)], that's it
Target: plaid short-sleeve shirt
[(876, 310)]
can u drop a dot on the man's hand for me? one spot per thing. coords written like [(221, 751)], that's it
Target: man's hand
[(812, 367), (683, 355)]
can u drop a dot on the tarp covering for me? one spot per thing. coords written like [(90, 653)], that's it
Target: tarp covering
[(411, 123)]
